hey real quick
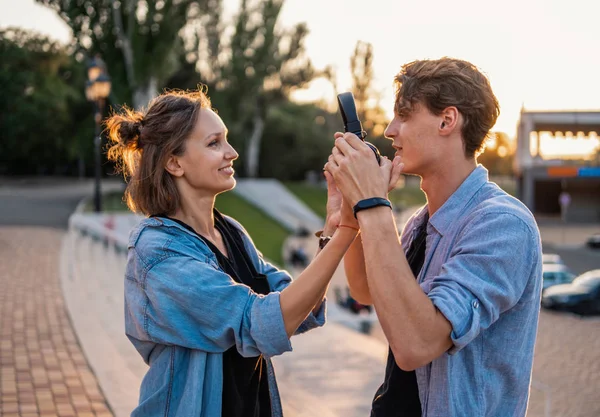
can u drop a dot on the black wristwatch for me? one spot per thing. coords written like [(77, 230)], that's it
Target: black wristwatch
[(370, 203), (323, 240)]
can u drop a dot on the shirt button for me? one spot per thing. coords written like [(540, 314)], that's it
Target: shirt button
[(475, 304)]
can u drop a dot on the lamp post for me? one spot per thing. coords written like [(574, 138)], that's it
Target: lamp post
[(97, 89)]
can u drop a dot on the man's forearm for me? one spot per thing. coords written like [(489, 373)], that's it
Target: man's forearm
[(415, 329), (356, 274)]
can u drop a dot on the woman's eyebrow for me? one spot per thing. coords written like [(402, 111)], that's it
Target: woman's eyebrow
[(224, 133)]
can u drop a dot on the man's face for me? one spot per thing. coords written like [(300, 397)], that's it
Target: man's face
[(416, 140)]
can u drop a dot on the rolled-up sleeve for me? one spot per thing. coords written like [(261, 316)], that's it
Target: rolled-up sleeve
[(486, 274), (190, 303)]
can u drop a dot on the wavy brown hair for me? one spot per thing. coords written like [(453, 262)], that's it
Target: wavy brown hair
[(446, 82), (142, 142)]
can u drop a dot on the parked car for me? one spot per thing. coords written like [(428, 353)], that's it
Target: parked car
[(556, 274), (582, 296), (594, 241), (551, 258)]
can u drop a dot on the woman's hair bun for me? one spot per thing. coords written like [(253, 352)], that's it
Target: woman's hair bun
[(129, 132), (125, 128)]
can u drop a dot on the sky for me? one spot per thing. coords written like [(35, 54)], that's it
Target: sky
[(538, 54)]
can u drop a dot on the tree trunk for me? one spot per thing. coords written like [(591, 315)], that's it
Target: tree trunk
[(125, 40), (253, 148), (144, 93)]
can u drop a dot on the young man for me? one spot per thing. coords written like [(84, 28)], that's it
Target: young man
[(462, 310)]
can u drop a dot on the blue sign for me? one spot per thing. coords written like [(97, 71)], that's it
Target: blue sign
[(589, 172)]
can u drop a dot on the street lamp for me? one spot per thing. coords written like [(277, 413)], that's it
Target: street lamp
[(97, 90)]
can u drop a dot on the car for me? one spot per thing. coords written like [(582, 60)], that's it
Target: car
[(551, 258), (594, 241), (582, 296), (556, 274)]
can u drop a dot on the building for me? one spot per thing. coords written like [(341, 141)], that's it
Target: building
[(542, 179)]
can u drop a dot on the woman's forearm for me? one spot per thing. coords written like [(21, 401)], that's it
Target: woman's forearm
[(356, 273), (305, 292)]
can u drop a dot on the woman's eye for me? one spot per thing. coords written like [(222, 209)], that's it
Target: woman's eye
[(213, 143)]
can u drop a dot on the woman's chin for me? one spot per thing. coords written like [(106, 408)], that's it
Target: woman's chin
[(229, 185)]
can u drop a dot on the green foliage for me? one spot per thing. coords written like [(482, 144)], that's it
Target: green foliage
[(138, 40), (370, 112), (44, 118), (248, 73), (298, 138)]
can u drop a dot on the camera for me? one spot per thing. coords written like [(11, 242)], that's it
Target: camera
[(351, 122)]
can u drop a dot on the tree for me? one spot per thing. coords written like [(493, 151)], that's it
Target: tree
[(139, 40), (298, 138), (498, 154), (250, 72), (370, 112), (361, 67), (44, 118)]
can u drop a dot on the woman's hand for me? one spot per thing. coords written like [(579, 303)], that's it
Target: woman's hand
[(334, 206)]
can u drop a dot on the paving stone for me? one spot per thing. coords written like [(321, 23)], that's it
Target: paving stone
[(37, 340)]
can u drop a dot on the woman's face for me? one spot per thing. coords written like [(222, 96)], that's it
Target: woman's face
[(207, 162)]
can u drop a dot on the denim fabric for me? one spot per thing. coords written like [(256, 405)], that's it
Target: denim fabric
[(483, 272), (182, 312)]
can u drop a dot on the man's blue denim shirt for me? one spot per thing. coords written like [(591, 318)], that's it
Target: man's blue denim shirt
[(483, 272), (182, 312)]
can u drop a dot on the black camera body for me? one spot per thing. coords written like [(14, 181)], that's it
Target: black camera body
[(352, 123)]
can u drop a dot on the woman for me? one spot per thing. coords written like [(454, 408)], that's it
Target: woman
[(202, 307)]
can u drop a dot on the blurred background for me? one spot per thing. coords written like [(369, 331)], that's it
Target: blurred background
[(273, 69)]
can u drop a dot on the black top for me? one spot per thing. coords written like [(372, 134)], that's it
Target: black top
[(398, 396), (245, 381)]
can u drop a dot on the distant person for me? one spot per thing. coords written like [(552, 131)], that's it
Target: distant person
[(458, 296), (348, 302), (299, 258), (202, 307)]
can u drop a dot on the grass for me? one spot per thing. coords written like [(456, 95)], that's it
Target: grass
[(411, 195), (268, 235), (407, 196), (313, 196)]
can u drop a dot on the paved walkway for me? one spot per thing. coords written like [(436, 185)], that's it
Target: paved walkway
[(43, 371)]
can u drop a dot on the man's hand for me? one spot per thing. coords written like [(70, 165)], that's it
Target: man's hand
[(356, 172)]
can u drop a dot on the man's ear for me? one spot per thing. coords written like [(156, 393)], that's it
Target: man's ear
[(173, 166), (449, 120)]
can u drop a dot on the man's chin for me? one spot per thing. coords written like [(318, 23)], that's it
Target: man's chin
[(407, 170)]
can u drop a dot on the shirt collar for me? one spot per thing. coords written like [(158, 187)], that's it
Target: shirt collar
[(446, 215)]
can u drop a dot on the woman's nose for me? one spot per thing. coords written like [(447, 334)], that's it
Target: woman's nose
[(232, 154)]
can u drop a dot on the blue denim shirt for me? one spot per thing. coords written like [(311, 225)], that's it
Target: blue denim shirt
[(483, 272), (182, 312)]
